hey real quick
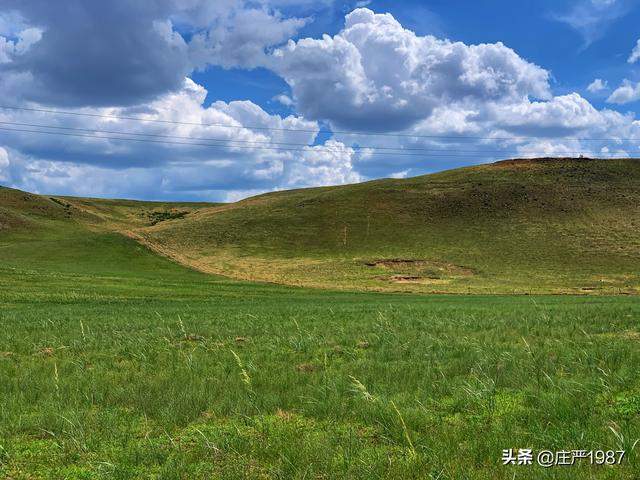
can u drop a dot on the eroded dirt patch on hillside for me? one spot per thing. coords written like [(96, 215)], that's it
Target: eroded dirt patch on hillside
[(419, 271), (416, 279), (422, 264)]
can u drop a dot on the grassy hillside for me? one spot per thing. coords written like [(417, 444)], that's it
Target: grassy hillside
[(522, 226), (19, 210), (555, 225), (24, 212), (81, 236)]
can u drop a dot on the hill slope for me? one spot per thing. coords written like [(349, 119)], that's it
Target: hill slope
[(78, 236), (526, 226), (546, 225)]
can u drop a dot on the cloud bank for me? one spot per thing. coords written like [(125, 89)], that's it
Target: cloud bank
[(452, 103), (121, 53)]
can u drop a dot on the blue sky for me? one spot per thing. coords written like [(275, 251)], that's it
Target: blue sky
[(295, 93)]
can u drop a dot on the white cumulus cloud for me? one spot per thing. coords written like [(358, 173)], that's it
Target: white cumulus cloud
[(25, 39), (635, 53), (328, 164), (210, 152), (377, 75), (626, 93), (241, 37), (597, 85), (560, 115), (284, 100)]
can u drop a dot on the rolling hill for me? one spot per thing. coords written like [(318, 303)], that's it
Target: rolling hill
[(516, 226)]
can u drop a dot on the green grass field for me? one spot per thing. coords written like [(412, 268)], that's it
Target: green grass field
[(118, 363)]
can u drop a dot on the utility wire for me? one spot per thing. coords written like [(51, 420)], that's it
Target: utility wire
[(223, 140), (340, 132), (447, 153), (226, 142), (144, 140)]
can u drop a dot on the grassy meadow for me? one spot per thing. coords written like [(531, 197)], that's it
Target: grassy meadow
[(119, 363), (124, 365)]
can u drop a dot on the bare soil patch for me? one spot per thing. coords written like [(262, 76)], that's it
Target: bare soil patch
[(415, 279), (434, 266)]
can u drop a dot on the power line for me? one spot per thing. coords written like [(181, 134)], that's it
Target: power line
[(143, 140), (209, 139), (447, 153), (316, 132), (226, 142)]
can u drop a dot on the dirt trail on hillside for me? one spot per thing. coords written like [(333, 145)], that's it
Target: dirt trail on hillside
[(170, 253)]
